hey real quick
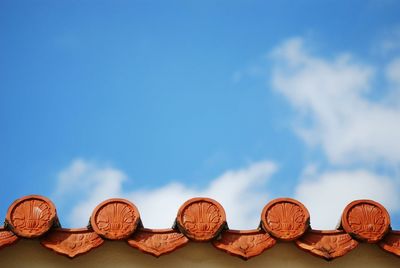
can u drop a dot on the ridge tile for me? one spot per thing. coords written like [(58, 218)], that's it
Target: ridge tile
[(71, 242), (244, 244), (157, 242), (327, 244)]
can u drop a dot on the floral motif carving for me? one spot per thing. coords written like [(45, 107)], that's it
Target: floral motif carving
[(327, 244), (31, 216), (201, 219), (366, 220), (244, 244), (115, 219), (157, 242), (7, 238), (391, 243), (72, 242), (285, 218)]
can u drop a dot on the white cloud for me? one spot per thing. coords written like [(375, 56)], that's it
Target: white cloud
[(241, 192), (326, 195), (336, 113), (334, 110)]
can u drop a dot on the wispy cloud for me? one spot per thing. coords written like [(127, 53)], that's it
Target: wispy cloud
[(352, 128), (335, 112), (242, 193)]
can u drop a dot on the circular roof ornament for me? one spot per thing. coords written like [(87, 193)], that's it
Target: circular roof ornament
[(285, 218), (366, 220), (201, 219), (115, 219), (31, 216)]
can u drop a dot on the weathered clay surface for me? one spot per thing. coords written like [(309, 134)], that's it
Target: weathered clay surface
[(115, 219), (327, 244), (285, 218), (244, 244), (7, 238), (72, 242), (157, 242), (31, 216), (366, 220), (391, 243), (201, 219)]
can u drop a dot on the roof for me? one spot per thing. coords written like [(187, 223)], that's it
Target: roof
[(200, 220)]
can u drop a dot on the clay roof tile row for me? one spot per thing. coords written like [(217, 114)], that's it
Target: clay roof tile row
[(200, 220)]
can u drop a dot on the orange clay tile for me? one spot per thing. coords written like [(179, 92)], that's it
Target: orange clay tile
[(31, 216), (327, 244), (71, 242), (157, 242), (366, 220), (285, 218), (391, 242), (7, 238), (244, 244), (115, 219), (201, 219)]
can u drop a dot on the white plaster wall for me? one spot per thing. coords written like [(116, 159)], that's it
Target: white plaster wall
[(28, 253)]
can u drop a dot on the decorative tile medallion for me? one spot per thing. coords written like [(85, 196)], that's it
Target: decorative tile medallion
[(115, 219), (201, 219), (244, 244), (391, 243), (72, 242), (31, 216), (285, 218), (327, 244), (366, 220), (157, 242), (7, 238)]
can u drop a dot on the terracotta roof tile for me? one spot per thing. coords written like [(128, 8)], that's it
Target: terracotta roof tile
[(244, 244), (366, 220), (115, 219), (327, 244), (31, 216), (391, 242), (200, 220), (285, 218), (157, 242), (71, 242), (7, 238)]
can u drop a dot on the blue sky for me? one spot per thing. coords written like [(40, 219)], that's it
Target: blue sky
[(243, 101)]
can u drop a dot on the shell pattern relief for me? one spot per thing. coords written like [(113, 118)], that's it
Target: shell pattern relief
[(115, 217), (286, 218), (31, 216), (202, 217), (367, 220)]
